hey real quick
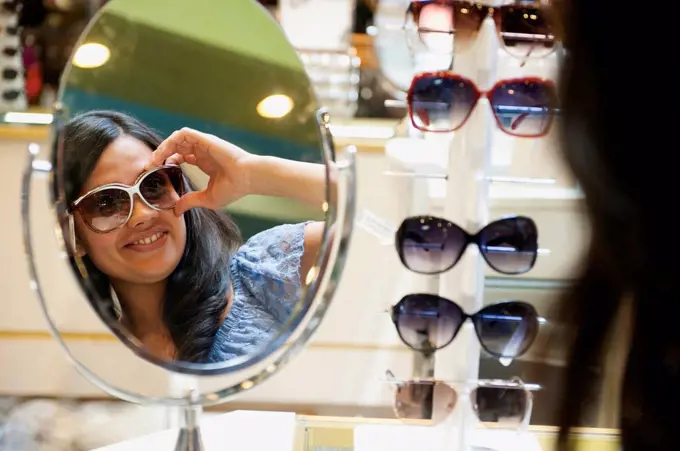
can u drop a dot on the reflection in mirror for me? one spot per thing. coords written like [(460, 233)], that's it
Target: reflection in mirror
[(191, 182)]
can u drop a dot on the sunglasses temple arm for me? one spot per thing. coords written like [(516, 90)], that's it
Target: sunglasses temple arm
[(71, 234)]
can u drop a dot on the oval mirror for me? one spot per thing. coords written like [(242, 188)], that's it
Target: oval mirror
[(192, 186)]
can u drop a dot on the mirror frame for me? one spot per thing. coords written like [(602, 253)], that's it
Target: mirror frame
[(330, 263)]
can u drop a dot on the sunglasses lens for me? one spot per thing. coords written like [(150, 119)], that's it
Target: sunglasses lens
[(510, 245), (446, 26), (526, 32), (435, 26), (430, 245), (426, 322), (11, 95), (9, 74), (524, 108), (440, 104), (506, 329), (424, 400), (503, 405), (162, 188), (105, 210)]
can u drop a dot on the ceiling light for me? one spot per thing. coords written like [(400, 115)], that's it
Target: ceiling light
[(91, 55), (275, 106)]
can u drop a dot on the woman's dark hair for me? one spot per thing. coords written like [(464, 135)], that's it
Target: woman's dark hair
[(614, 130), (197, 290)]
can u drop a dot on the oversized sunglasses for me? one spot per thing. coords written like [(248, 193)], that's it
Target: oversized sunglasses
[(523, 27), (508, 403), (11, 95), (109, 207), (10, 51), (10, 6), (10, 30), (444, 101), (431, 245), (10, 74), (428, 323)]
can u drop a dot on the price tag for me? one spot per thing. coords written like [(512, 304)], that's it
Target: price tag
[(377, 226)]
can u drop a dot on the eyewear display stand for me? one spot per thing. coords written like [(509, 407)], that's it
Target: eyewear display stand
[(466, 177), (467, 204)]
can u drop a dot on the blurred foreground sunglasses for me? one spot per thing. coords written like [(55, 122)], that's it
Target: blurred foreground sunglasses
[(508, 403), (109, 207), (523, 27), (10, 6), (428, 322), (431, 245), (9, 74), (10, 30), (444, 101), (11, 95), (10, 51)]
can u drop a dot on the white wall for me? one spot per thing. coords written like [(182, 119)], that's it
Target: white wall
[(348, 357)]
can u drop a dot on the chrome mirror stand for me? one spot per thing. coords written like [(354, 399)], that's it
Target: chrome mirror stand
[(189, 438)]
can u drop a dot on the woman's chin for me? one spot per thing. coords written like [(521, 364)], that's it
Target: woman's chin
[(151, 273)]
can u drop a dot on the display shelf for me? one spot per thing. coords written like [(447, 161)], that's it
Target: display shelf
[(289, 431), (368, 135), (317, 433)]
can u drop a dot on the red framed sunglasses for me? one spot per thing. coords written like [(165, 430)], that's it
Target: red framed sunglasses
[(443, 102), (524, 27)]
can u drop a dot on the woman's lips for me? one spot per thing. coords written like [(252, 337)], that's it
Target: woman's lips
[(143, 247)]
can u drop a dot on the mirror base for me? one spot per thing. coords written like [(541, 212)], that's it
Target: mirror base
[(189, 438)]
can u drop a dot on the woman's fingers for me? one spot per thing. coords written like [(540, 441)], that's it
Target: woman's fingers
[(178, 159), (193, 199), (184, 142)]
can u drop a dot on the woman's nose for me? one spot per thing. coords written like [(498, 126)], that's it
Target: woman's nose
[(141, 213)]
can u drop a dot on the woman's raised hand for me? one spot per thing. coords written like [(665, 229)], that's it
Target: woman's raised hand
[(222, 161)]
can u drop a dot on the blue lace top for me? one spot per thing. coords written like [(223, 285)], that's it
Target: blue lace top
[(265, 273)]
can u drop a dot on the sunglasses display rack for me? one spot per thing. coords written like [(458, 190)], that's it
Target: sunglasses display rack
[(12, 80), (461, 165), (467, 202)]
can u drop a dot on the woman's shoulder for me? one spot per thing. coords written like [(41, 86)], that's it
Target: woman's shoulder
[(248, 326), (265, 274), (274, 252)]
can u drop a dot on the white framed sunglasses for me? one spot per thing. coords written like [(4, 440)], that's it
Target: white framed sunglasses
[(109, 207)]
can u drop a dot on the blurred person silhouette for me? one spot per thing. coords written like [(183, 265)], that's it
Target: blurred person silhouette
[(614, 131)]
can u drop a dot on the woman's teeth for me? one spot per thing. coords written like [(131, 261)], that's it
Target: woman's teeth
[(150, 239)]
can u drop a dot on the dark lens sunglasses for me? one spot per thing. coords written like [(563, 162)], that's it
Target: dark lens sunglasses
[(9, 74), (444, 101), (431, 245), (10, 51), (428, 322), (10, 6), (108, 207), (11, 95), (505, 402), (11, 31), (524, 28)]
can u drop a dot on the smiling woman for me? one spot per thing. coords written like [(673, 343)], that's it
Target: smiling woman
[(195, 206), (170, 261)]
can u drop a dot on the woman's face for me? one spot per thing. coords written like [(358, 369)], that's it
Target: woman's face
[(127, 254)]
